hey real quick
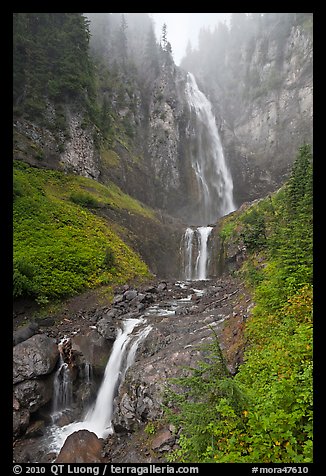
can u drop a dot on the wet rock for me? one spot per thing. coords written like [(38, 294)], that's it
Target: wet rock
[(64, 418), (129, 315), (181, 311), (20, 421), (34, 357), (82, 446), (35, 429), (24, 333)]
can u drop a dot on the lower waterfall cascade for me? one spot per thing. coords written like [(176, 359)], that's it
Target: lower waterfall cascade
[(99, 416)]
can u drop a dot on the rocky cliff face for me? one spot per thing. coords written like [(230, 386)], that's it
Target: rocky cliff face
[(70, 148), (270, 129)]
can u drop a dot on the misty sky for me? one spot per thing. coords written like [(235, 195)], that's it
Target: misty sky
[(182, 27)]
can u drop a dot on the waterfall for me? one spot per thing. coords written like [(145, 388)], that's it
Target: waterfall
[(195, 241), (62, 395), (201, 262), (98, 418), (214, 181), (87, 372), (62, 384), (188, 242)]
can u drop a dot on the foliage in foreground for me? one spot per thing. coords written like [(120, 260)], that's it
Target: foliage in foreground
[(60, 246), (264, 413)]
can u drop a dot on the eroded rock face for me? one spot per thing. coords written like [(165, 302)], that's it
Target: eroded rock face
[(80, 155), (94, 348), (81, 446), (34, 357)]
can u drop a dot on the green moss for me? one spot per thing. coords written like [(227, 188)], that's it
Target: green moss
[(61, 248), (227, 230), (66, 186)]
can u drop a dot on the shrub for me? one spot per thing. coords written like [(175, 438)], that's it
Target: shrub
[(84, 199)]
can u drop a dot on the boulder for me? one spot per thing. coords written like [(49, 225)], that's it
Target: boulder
[(33, 394), (162, 286), (142, 297), (111, 313), (46, 322), (163, 440), (117, 299), (82, 446), (150, 289), (24, 332), (34, 357), (130, 294)]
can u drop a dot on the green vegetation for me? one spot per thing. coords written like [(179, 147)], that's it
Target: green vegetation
[(61, 247), (264, 413)]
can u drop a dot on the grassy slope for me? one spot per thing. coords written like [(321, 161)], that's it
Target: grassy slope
[(61, 246)]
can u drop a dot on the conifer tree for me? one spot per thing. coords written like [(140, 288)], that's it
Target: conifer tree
[(123, 38), (164, 37)]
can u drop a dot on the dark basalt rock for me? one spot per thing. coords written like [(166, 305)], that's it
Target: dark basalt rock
[(24, 333), (82, 446), (34, 357)]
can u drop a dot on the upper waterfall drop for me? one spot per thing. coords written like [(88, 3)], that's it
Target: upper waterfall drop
[(214, 181)]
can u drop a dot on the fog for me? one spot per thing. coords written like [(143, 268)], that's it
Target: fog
[(184, 27)]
